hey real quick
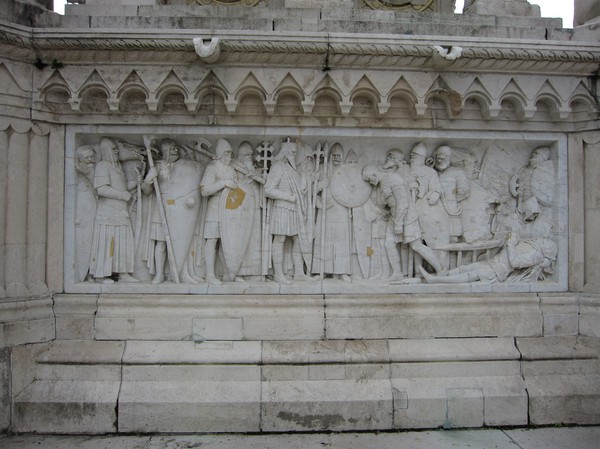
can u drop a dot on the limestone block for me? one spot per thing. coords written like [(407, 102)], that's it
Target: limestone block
[(428, 350), (191, 373), (66, 407), (556, 399), (218, 329), (26, 321), (75, 316), (334, 405), (560, 314), (424, 317), (169, 352), (558, 348), (194, 406), (455, 369), (561, 367), (198, 317), (424, 403), (88, 352), (325, 351), (4, 389), (465, 408), (589, 319)]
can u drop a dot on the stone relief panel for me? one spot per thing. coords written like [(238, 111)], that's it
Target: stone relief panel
[(244, 210)]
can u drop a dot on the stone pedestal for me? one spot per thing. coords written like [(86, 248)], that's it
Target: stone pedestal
[(390, 120)]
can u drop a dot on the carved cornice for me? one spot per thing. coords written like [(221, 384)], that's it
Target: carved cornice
[(311, 50), (401, 5), (226, 2)]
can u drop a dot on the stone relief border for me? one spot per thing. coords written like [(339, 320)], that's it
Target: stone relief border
[(103, 90), (488, 150)]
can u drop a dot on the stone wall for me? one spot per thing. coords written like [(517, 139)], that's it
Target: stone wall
[(513, 85)]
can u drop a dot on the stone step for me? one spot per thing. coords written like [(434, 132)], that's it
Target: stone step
[(56, 406), (562, 375), (299, 386)]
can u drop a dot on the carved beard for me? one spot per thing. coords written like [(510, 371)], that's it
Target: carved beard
[(389, 164), (84, 167), (164, 169), (248, 163)]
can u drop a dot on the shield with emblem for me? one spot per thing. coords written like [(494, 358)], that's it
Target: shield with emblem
[(236, 215), (348, 187), (181, 198)]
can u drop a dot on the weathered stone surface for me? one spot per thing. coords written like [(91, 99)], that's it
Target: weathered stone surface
[(195, 406), (5, 398), (67, 407), (423, 317), (326, 405), (565, 399), (75, 316), (26, 321), (428, 403), (213, 352)]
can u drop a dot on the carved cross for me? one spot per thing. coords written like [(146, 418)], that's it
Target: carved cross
[(319, 155), (265, 156)]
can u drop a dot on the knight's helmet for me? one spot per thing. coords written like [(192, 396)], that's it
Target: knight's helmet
[(351, 157), (221, 148)]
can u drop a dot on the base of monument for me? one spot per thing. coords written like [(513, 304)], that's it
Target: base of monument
[(185, 364)]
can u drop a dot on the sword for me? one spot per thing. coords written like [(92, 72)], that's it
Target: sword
[(163, 216)]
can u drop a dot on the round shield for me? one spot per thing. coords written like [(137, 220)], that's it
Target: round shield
[(348, 187)]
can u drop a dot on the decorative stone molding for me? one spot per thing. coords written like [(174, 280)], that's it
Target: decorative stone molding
[(111, 87), (341, 50), (402, 5)]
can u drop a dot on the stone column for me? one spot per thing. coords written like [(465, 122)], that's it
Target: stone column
[(16, 214), (31, 160), (4, 139)]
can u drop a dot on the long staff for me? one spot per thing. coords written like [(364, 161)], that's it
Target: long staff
[(324, 209), (163, 215), (138, 216)]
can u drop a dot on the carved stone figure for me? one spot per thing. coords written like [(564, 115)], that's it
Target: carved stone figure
[(502, 8), (333, 238), (219, 184), (179, 181), (249, 180), (307, 213), (536, 180), (426, 191), (288, 213), (455, 189), (112, 243), (586, 11), (534, 257), (402, 223), (477, 208), (85, 204)]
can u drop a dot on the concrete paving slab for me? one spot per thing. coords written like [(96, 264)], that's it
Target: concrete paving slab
[(557, 438), (541, 438)]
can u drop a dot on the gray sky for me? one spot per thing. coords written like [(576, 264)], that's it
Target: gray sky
[(550, 8)]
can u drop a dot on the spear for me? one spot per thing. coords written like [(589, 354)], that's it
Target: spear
[(324, 209), (161, 208)]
